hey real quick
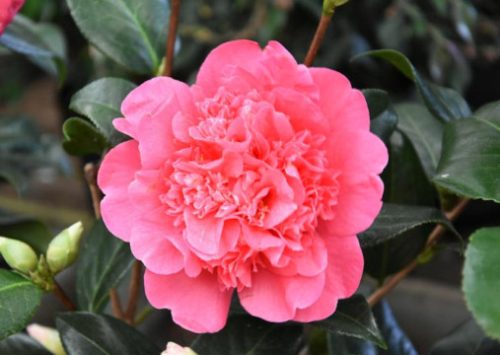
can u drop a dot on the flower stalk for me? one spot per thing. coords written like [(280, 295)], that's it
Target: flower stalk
[(175, 6)]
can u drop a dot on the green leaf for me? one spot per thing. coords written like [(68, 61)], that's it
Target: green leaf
[(82, 138), (85, 333), (33, 232), (353, 318), (100, 102), (481, 280), (245, 335), (383, 118), (425, 134), (130, 32), (446, 104), (466, 339), (44, 44), (470, 163), (104, 261), (19, 299), (395, 220), (22, 344)]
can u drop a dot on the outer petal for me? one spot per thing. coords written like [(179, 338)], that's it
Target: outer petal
[(343, 106), (343, 275), (276, 298), (219, 63), (153, 241), (115, 175), (197, 304)]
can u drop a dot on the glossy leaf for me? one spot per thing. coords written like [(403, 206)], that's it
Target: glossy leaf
[(19, 299), (424, 132), (85, 333), (130, 32), (446, 104), (44, 44), (395, 220), (104, 261), (244, 335), (466, 339), (383, 118), (353, 318), (470, 163), (481, 280), (100, 102), (82, 138), (22, 344)]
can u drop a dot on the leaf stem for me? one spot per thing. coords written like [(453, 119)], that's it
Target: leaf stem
[(324, 21), (116, 305), (143, 314), (90, 172), (433, 238), (133, 293), (63, 297), (175, 6)]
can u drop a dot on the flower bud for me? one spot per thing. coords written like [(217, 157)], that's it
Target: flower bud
[(48, 337), (18, 255), (63, 249), (329, 6), (176, 349)]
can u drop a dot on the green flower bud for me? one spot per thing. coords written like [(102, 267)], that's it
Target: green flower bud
[(329, 6), (18, 255), (63, 249)]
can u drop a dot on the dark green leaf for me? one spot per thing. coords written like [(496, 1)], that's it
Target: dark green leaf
[(19, 299), (21, 344), (44, 44), (353, 318), (395, 220), (466, 339), (130, 32), (470, 163), (444, 103), (82, 138), (245, 335), (104, 261), (100, 102), (30, 231), (383, 118), (424, 132), (481, 280), (85, 333)]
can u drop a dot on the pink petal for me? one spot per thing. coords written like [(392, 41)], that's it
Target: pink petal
[(341, 105), (115, 175), (214, 70), (343, 275), (153, 242), (276, 298), (203, 234), (260, 239), (197, 304), (313, 260), (359, 202)]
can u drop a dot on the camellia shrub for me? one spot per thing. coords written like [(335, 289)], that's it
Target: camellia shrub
[(265, 205)]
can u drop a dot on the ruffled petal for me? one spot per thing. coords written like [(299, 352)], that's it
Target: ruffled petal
[(116, 172), (343, 275), (197, 304)]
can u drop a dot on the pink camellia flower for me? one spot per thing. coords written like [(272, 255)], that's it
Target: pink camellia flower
[(8, 9), (255, 179)]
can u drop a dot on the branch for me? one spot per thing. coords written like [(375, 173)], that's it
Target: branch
[(175, 6), (90, 172), (318, 38), (435, 235), (133, 293), (65, 300)]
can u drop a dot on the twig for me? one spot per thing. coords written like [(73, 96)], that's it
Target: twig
[(133, 292), (116, 305), (59, 292), (318, 38), (435, 235), (175, 6), (90, 172)]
